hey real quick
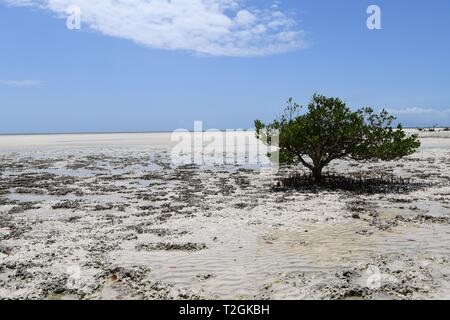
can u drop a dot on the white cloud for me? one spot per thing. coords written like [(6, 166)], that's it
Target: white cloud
[(20, 83), (420, 111), (245, 18), (422, 116), (209, 27)]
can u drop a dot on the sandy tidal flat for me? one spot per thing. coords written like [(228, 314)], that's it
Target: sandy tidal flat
[(109, 216)]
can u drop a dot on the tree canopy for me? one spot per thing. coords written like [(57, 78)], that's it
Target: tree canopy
[(330, 130)]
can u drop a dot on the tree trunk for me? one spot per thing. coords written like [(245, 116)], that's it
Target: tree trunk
[(317, 173)]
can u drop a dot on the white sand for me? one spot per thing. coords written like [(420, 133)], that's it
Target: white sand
[(259, 244)]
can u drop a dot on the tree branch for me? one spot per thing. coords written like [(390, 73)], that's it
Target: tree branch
[(306, 164)]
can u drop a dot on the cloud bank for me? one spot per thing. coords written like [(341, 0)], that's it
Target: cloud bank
[(206, 27), (20, 83), (422, 117)]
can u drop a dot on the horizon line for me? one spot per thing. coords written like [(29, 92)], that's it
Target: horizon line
[(154, 131)]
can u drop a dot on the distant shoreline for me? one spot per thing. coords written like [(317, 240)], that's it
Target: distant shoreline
[(73, 133), (133, 132), (108, 132)]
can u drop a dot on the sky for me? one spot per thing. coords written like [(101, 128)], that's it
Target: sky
[(160, 65)]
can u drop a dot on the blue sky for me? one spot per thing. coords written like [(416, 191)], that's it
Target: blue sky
[(131, 69)]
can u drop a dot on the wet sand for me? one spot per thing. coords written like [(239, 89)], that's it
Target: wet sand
[(109, 216)]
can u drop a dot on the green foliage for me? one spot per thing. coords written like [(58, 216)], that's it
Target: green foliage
[(329, 130)]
